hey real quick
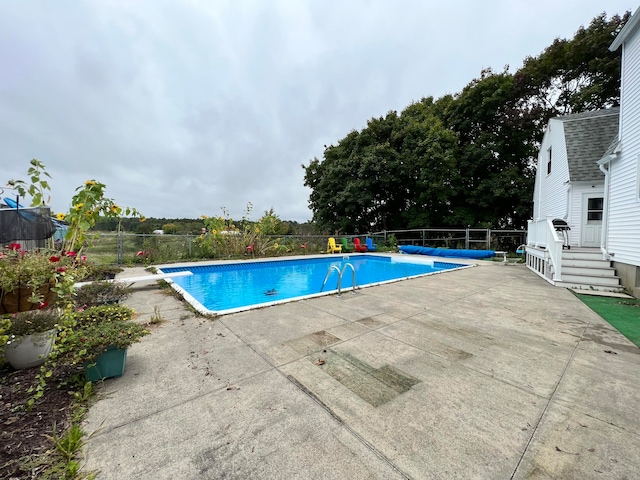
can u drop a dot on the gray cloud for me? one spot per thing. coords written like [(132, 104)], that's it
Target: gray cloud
[(184, 107)]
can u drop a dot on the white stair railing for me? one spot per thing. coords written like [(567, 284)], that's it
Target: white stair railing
[(542, 234)]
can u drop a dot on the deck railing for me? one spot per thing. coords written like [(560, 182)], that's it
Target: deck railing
[(546, 256)]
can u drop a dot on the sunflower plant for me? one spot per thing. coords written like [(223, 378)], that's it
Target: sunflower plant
[(87, 206), (224, 236)]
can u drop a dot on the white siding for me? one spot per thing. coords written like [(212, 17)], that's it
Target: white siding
[(624, 208), (550, 194)]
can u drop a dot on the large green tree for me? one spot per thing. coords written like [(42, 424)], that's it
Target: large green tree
[(494, 156), (575, 75), (397, 171)]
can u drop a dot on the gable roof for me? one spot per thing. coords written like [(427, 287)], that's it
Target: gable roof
[(629, 28), (588, 135)]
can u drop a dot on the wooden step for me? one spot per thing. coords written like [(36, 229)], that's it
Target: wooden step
[(588, 271), (572, 262), (582, 255), (591, 280)]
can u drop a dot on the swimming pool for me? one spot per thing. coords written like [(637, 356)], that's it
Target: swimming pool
[(228, 287)]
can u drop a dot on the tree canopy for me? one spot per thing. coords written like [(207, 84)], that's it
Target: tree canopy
[(465, 159)]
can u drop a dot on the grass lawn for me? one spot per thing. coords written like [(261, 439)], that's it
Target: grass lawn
[(622, 313)]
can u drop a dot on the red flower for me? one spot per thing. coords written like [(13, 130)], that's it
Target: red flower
[(71, 254), (14, 246), (43, 305), (54, 259), (141, 253), (250, 248), (61, 269)]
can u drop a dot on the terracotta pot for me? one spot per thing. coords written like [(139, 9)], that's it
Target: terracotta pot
[(18, 299), (30, 350)]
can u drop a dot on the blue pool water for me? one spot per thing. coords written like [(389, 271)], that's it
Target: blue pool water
[(230, 287)]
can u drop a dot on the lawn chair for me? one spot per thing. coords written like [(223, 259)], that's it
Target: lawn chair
[(332, 247), (345, 245), (359, 247), (372, 247)]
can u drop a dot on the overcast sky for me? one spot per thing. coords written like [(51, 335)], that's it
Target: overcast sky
[(182, 107)]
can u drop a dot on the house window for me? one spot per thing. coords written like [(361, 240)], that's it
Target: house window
[(549, 162), (594, 209)]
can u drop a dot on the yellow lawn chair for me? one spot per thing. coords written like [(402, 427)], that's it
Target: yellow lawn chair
[(332, 247)]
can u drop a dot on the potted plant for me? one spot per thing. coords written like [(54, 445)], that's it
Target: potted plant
[(28, 279), (31, 335), (100, 293), (99, 340)]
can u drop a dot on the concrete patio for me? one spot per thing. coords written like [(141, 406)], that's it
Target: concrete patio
[(487, 373)]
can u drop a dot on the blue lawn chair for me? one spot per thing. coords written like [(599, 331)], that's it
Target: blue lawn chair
[(371, 247)]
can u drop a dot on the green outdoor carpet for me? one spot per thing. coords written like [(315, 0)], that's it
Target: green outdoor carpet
[(622, 313)]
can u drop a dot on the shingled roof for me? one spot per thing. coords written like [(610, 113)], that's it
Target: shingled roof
[(587, 136)]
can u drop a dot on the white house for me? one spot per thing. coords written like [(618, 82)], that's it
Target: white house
[(569, 185), (589, 176), (621, 236)]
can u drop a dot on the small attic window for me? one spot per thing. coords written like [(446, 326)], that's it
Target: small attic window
[(549, 162)]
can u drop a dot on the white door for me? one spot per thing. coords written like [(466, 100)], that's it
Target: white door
[(592, 206)]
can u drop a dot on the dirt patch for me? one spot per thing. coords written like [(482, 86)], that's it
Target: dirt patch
[(25, 439)]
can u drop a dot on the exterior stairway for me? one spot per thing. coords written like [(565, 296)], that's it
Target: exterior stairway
[(584, 269)]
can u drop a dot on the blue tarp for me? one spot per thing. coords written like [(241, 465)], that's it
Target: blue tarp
[(447, 252)]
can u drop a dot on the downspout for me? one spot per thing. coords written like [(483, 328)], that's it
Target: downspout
[(605, 208), (568, 209)]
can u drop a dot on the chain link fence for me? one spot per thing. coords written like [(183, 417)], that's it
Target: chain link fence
[(149, 249)]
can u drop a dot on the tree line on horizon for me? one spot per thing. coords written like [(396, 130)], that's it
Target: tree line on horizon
[(190, 226), (464, 159)]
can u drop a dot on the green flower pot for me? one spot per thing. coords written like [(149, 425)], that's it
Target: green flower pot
[(109, 364)]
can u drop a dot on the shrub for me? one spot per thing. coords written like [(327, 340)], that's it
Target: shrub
[(99, 293)]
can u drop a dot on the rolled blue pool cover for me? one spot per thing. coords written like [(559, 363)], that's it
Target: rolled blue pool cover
[(447, 252)]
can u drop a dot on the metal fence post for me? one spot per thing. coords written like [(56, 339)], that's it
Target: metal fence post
[(466, 238), (120, 247)]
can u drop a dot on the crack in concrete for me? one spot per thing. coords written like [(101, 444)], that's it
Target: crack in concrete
[(546, 407)]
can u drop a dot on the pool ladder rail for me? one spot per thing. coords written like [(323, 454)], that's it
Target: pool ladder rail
[(340, 274)]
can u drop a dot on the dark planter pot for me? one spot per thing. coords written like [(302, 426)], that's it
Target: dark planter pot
[(109, 364), (18, 299)]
